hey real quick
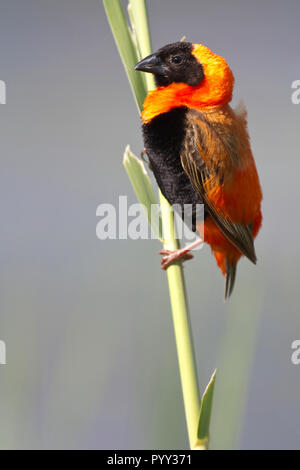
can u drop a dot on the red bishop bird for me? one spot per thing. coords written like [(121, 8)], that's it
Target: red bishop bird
[(199, 151)]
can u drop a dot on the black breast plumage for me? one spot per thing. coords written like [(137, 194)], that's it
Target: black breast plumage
[(163, 137)]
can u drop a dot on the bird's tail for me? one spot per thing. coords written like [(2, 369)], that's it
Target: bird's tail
[(228, 268), (229, 278)]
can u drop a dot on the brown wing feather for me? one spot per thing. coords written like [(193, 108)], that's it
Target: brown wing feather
[(208, 158)]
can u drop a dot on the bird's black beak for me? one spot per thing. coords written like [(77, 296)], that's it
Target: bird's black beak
[(151, 64)]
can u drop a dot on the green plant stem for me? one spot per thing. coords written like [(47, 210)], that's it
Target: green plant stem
[(182, 328), (126, 47), (177, 291)]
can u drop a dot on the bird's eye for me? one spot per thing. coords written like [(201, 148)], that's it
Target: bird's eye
[(176, 59)]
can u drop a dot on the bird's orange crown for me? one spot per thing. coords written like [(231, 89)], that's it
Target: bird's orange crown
[(215, 89)]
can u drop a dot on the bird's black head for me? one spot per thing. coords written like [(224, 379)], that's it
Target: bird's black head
[(173, 63)]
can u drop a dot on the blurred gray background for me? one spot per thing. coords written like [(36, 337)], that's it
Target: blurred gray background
[(91, 359)]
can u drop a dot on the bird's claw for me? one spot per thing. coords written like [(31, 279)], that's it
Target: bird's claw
[(171, 257)]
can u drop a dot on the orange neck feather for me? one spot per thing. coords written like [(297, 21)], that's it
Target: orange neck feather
[(215, 89)]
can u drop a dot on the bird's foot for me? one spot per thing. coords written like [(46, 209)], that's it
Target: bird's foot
[(171, 257)]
